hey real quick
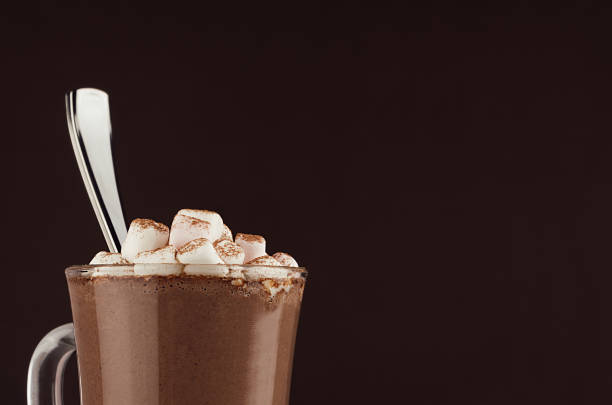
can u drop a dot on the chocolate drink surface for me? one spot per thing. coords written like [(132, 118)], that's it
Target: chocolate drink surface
[(186, 339)]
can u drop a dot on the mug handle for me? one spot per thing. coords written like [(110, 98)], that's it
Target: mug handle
[(46, 371)]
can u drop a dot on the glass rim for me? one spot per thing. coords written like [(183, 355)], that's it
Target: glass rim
[(82, 269)]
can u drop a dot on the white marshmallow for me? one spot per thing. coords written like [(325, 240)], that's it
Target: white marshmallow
[(143, 235), (263, 273), (161, 262), (108, 258), (258, 273), (185, 229), (158, 269), (217, 270), (166, 254), (264, 267), (199, 251), (216, 223), (226, 234), (284, 259), (254, 245), (264, 261), (229, 252)]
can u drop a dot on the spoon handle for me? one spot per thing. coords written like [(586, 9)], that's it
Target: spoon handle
[(88, 115)]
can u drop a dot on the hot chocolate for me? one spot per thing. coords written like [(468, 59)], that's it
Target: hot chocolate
[(184, 339), (186, 315)]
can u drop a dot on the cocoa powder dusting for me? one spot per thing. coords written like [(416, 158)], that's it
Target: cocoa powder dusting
[(250, 238), (264, 260), (199, 222), (149, 223), (192, 221), (227, 248), (193, 245)]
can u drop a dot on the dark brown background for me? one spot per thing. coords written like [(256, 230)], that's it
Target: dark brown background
[(444, 173)]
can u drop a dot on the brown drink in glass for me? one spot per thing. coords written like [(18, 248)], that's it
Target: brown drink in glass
[(184, 339)]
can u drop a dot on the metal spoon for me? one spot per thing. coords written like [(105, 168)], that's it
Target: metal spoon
[(89, 125), (88, 115)]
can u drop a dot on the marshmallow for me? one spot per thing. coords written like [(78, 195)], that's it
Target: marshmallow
[(229, 252), (158, 269), (284, 259), (166, 254), (264, 261), (108, 258), (265, 267), (199, 251), (226, 234), (261, 268), (161, 262), (217, 270), (143, 235), (216, 223), (254, 245), (185, 229)]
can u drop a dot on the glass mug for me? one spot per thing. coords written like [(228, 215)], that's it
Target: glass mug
[(224, 338)]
